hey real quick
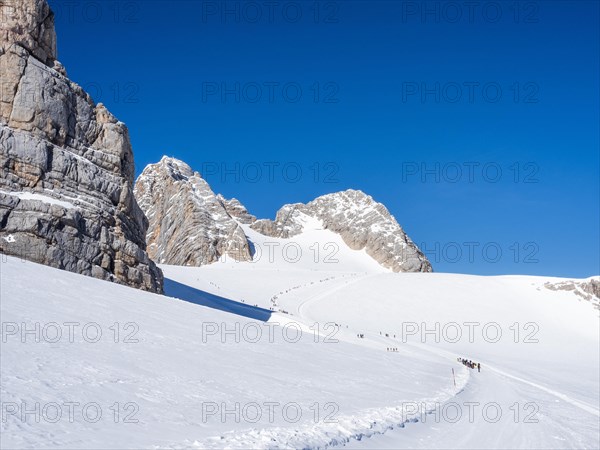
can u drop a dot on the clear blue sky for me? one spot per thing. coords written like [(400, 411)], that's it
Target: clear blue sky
[(396, 98)]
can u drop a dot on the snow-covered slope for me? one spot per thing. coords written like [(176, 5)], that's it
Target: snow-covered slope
[(163, 365), (345, 347)]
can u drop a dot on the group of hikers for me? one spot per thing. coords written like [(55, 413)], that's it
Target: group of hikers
[(381, 333), (392, 349), (470, 364)]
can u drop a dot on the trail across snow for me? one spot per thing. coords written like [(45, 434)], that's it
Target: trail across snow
[(303, 308)]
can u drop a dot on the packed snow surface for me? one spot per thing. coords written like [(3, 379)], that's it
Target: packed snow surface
[(319, 350)]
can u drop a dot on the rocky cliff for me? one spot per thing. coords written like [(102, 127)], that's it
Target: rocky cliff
[(67, 171), (189, 224), (360, 221)]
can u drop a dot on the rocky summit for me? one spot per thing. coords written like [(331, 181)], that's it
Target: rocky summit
[(362, 223), (189, 224), (67, 170)]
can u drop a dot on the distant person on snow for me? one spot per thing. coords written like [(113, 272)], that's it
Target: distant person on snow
[(478, 367)]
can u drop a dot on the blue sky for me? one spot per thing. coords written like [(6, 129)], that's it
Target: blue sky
[(478, 127)]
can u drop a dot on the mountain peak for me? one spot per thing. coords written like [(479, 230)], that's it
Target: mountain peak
[(172, 167), (362, 222), (188, 223)]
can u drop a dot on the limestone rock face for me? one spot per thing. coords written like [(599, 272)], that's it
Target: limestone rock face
[(67, 171), (286, 223), (360, 221), (30, 24), (189, 224), (236, 210)]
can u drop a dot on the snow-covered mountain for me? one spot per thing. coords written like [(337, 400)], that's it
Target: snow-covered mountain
[(360, 221), (66, 164), (190, 225)]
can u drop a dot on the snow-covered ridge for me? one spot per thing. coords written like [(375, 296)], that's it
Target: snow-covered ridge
[(362, 222)]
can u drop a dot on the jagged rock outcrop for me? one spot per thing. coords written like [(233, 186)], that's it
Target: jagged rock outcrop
[(360, 221), (67, 171), (189, 224), (588, 290), (236, 210)]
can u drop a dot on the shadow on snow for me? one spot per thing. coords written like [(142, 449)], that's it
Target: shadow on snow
[(198, 297)]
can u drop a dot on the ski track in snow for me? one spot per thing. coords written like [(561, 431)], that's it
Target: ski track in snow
[(584, 406), (343, 430), (579, 404)]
